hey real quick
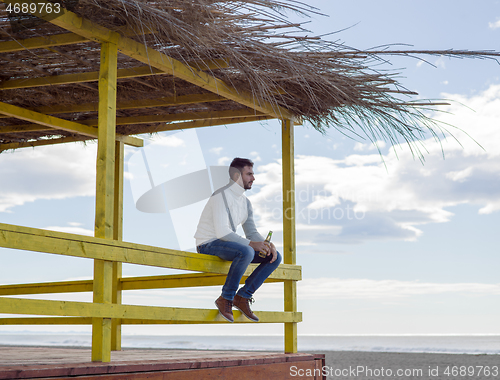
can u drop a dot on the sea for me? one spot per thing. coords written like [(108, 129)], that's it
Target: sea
[(452, 344)]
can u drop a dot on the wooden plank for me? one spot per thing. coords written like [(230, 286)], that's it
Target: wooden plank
[(308, 370), (42, 321), (47, 120), (289, 245), (41, 42), (32, 144), (205, 123), (167, 118), (70, 39), (167, 315), (57, 321), (78, 25), (58, 123), (154, 129), (52, 362), (22, 127), (116, 291), (63, 140), (92, 76), (185, 280), (47, 287), (124, 105), (205, 118), (38, 240), (105, 196)]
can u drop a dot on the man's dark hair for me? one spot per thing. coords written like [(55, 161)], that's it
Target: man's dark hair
[(240, 163), (237, 166)]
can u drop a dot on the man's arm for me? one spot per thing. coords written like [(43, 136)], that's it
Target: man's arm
[(257, 240), (249, 225)]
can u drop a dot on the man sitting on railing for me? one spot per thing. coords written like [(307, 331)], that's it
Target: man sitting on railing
[(216, 235)]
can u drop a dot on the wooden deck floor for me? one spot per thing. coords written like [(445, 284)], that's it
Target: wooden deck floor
[(66, 363)]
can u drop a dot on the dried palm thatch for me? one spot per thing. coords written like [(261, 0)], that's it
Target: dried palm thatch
[(253, 47)]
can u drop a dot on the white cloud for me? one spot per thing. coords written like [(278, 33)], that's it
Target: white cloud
[(171, 141), (440, 63), (365, 288), (223, 161), (255, 156), (370, 199), (217, 150), (328, 289), (361, 147), (71, 230), (47, 172), (494, 25)]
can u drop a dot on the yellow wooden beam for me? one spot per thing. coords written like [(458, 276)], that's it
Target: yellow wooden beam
[(92, 76), (86, 28), (134, 104), (41, 42), (47, 287), (38, 240), (209, 115), (265, 317), (19, 128), (173, 281), (105, 196), (209, 64), (139, 314), (46, 120), (204, 123), (66, 39), (154, 129), (45, 321), (32, 144), (204, 119), (57, 123), (289, 245), (116, 292), (184, 280), (62, 140)]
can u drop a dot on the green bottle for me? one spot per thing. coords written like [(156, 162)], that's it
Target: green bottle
[(268, 240)]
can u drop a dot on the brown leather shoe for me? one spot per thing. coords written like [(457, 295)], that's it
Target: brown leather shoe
[(225, 308), (243, 305)]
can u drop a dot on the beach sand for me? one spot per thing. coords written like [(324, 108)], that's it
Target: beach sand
[(389, 365)]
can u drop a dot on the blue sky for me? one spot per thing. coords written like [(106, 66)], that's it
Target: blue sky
[(388, 245)]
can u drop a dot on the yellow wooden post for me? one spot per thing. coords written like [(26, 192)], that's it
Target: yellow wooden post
[(289, 253), (116, 327), (105, 182)]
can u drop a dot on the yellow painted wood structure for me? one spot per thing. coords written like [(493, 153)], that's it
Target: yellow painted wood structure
[(106, 313)]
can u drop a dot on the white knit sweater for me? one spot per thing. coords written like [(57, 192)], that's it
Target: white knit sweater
[(214, 221)]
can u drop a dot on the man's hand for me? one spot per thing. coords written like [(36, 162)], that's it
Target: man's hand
[(268, 248), (273, 252)]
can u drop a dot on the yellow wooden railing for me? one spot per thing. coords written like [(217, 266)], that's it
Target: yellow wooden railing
[(209, 271)]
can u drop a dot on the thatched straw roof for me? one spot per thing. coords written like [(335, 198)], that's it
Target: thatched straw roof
[(248, 44)]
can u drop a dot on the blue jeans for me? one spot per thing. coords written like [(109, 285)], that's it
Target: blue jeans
[(241, 256)]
